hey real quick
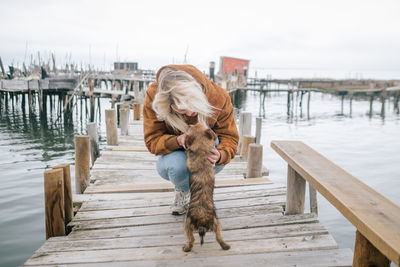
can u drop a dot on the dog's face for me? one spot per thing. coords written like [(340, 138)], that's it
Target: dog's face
[(200, 138)]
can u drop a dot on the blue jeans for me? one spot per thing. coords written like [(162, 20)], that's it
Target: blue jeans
[(172, 167)]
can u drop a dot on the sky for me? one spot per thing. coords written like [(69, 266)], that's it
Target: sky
[(276, 36)]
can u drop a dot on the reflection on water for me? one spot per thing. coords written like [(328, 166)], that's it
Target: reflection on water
[(354, 135), (30, 142)]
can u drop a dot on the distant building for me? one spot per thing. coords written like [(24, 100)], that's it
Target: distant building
[(231, 65), (126, 66)]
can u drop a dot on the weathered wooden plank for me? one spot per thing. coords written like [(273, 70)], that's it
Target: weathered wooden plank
[(154, 210), (79, 198), (15, 85), (376, 217), (179, 238), (62, 83), (331, 257), (258, 220), (173, 252), (116, 177), (166, 186), (156, 202), (130, 148), (165, 218)]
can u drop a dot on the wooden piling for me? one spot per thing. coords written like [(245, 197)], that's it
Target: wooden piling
[(92, 100), (351, 105), (82, 163), (68, 205), (23, 103), (296, 188), (30, 101), (371, 100), (54, 202), (124, 120), (313, 199), (94, 141), (244, 126), (308, 104), (258, 130), (136, 112), (254, 163), (246, 141), (365, 254), (111, 127), (2, 67)]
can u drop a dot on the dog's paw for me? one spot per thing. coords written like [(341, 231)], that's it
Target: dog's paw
[(225, 246), (187, 248)]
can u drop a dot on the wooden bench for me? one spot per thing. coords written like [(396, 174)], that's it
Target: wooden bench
[(376, 218)]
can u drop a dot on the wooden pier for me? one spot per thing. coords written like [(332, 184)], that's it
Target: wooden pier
[(124, 219)]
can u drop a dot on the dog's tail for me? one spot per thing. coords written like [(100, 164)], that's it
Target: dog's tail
[(202, 233)]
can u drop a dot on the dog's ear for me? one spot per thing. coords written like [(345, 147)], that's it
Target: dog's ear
[(189, 141), (210, 134)]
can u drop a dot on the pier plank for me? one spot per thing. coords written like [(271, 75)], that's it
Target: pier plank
[(165, 186), (179, 238), (14, 85), (258, 220), (278, 200), (156, 202), (161, 219), (316, 242), (80, 198), (333, 257)]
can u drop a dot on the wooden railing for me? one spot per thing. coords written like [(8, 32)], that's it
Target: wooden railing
[(376, 218)]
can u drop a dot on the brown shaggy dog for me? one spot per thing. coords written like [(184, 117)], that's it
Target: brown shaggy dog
[(201, 214)]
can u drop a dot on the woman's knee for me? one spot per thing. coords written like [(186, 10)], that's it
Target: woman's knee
[(172, 167)]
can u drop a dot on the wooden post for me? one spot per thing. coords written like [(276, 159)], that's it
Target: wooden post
[(94, 141), (136, 112), (313, 199), (82, 163), (111, 127), (68, 205), (2, 67), (365, 254), (124, 121), (371, 100), (258, 130), (296, 190), (54, 203), (254, 163), (30, 101), (136, 89), (247, 140), (91, 94), (308, 104), (244, 126)]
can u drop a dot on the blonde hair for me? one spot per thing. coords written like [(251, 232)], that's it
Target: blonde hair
[(180, 88)]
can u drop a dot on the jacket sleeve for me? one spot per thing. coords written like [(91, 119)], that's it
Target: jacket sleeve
[(158, 141), (227, 132)]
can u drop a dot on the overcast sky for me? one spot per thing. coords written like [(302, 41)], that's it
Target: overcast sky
[(335, 35)]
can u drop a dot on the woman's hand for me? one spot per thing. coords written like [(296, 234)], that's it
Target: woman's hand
[(214, 157), (181, 140)]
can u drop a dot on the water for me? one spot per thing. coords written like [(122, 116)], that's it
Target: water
[(365, 145), (28, 146)]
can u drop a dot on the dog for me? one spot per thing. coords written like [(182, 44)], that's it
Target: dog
[(201, 215)]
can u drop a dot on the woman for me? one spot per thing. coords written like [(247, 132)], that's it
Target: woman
[(181, 96)]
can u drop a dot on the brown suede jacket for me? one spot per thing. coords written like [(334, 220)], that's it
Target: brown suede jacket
[(161, 139)]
